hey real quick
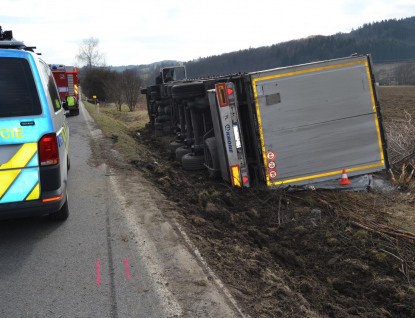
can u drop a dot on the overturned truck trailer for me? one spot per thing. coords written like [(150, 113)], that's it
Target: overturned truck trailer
[(291, 126)]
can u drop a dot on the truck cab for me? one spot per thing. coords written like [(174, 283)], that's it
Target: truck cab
[(173, 74)]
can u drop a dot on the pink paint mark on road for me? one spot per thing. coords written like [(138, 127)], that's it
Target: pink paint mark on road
[(127, 268), (98, 273)]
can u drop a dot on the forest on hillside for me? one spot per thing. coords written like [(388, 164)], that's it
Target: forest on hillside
[(390, 42)]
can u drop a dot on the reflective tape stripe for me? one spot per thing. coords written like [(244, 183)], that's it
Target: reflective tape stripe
[(35, 194), (65, 136), (22, 157), (34, 162), (6, 180), (21, 186), (16, 183)]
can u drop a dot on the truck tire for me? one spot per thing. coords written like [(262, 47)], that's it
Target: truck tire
[(62, 214), (188, 90), (181, 151), (174, 145), (212, 158), (167, 110), (160, 110), (193, 162), (74, 112)]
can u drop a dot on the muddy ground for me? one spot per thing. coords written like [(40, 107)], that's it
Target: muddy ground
[(299, 254)]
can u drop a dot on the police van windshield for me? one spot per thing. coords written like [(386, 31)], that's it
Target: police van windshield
[(18, 94)]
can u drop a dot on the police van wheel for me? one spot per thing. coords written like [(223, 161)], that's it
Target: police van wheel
[(62, 214), (193, 162), (68, 164)]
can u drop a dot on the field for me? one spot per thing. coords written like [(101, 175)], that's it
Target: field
[(286, 254)]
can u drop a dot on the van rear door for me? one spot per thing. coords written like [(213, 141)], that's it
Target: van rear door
[(20, 129)]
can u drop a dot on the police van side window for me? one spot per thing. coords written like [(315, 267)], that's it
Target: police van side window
[(18, 94), (54, 95)]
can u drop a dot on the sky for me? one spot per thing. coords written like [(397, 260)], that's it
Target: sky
[(142, 32)]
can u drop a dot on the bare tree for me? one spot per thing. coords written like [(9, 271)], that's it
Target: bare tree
[(131, 82), (88, 53), (114, 89), (404, 73)]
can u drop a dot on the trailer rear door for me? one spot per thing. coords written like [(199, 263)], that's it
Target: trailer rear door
[(317, 119)]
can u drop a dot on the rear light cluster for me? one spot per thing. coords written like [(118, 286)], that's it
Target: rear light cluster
[(48, 150)]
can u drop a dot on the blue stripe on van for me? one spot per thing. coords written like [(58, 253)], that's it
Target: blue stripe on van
[(21, 187), (34, 162)]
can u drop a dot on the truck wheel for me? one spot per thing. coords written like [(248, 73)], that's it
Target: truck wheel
[(212, 158), (193, 162), (74, 112), (160, 110), (174, 145), (181, 151), (62, 214), (187, 90), (167, 110)]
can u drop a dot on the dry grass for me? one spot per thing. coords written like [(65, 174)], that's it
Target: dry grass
[(122, 128), (401, 138)]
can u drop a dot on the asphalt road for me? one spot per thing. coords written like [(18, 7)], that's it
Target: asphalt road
[(105, 260)]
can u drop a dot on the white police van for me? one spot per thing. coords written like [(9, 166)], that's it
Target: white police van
[(34, 136)]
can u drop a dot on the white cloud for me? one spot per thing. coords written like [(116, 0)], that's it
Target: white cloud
[(144, 32)]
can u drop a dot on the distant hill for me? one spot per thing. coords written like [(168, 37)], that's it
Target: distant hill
[(148, 71), (388, 41), (156, 65)]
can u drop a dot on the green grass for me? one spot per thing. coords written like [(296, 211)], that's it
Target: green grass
[(122, 127)]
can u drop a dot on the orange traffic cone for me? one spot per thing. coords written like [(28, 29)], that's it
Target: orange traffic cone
[(345, 179)]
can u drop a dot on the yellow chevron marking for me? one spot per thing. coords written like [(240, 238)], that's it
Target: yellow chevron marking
[(21, 158), (6, 180), (339, 172), (35, 194)]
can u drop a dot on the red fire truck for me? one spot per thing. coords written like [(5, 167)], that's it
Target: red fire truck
[(66, 78)]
